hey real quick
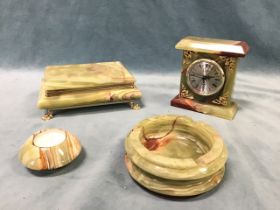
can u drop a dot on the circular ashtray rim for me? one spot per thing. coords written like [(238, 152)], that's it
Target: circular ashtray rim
[(34, 135), (173, 168)]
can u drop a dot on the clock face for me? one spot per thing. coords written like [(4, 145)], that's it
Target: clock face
[(205, 77)]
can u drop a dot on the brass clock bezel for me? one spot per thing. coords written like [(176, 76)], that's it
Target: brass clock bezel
[(220, 69)]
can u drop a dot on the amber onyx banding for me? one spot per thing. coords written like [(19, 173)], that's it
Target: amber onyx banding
[(175, 155), (49, 149)]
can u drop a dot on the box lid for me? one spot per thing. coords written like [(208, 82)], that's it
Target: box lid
[(214, 46), (94, 75)]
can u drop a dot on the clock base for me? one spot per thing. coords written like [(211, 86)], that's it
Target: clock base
[(226, 112)]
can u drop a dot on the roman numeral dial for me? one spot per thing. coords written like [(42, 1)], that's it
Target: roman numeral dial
[(205, 77)]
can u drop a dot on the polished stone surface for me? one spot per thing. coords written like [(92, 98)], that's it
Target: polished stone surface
[(83, 85), (213, 46), (49, 149), (174, 155), (98, 179)]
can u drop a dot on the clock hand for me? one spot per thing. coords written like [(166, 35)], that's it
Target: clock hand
[(196, 75), (203, 84), (202, 77), (208, 77)]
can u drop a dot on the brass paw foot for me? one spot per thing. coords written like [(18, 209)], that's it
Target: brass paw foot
[(49, 115), (134, 105)]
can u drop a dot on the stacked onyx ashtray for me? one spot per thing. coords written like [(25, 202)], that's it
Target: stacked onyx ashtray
[(173, 155)]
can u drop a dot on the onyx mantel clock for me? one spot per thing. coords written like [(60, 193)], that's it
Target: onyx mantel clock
[(208, 74)]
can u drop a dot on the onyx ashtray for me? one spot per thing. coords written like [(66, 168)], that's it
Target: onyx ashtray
[(174, 155), (49, 149)]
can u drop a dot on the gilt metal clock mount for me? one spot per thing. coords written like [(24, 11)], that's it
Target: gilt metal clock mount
[(208, 74)]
